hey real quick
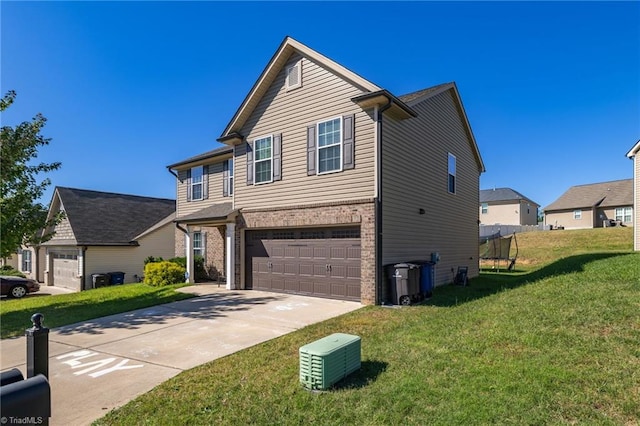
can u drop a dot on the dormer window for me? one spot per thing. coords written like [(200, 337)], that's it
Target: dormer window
[(294, 76)]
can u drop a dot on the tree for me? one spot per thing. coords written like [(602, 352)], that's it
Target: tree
[(22, 219)]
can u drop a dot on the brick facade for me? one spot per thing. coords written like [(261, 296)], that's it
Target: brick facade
[(214, 252), (360, 213)]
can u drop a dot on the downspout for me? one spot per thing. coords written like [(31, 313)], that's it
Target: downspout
[(172, 172), (84, 267), (379, 276)]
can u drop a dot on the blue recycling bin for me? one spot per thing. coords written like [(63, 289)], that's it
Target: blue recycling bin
[(426, 277), (116, 278)]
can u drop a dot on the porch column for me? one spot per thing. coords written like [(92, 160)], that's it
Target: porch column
[(230, 264), (189, 255)]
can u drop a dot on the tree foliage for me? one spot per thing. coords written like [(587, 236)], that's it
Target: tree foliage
[(22, 219)]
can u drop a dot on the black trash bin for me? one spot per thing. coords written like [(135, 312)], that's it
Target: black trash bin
[(404, 280), (99, 280), (116, 277)]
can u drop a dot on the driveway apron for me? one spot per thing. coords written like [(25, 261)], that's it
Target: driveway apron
[(101, 364)]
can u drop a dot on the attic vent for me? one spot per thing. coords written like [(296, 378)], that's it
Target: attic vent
[(294, 76)]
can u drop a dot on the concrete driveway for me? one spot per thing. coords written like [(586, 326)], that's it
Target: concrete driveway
[(101, 364)]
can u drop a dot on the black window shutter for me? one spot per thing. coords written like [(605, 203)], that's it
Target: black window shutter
[(277, 156), (249, 164), (189, 185), (348, 141), (225, 179), (205, 182), (311, 150)]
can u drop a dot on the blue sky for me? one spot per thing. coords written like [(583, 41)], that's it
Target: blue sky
[(551, 89)]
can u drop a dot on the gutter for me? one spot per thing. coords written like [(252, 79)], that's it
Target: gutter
[(379, 276)]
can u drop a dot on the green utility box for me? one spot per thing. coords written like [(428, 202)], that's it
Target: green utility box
[(329, 360)]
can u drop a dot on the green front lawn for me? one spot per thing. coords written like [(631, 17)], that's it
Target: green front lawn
[(63, 309), (554, 344)]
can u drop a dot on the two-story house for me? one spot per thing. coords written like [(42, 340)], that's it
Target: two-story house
[(505, 206), (325, 178)]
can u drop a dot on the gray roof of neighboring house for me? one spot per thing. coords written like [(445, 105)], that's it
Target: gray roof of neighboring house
[(502, 194), (104, 218), (204, 156), (604, 194)]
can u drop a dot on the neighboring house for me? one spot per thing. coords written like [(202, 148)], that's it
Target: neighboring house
[(592, 206), (101, 232), (326, 178), (634, 154), (504, 206)]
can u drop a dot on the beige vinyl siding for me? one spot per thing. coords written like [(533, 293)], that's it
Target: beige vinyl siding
[(565, 218), (510, 213), (130, 260), (214, 179), (322, 96), (415, 176)]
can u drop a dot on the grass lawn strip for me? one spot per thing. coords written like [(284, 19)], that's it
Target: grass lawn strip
[(555, 342), (64, 309)]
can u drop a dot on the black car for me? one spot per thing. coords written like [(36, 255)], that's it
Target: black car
[(18, 287)]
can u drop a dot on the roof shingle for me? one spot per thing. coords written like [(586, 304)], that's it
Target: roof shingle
[(604, 194), (104, 218)]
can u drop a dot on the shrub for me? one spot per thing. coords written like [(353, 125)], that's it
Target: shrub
[(8, 270), (163, 273), (198, 266), (152, 259)]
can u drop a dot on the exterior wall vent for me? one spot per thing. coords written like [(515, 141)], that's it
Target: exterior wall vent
[(329, 360), (294, 76)]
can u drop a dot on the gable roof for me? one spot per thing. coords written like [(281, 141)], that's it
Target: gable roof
[(634, 151), (414, 98), (268, 75), (105, 218), (604, 194), (372, 94), (502, 194)]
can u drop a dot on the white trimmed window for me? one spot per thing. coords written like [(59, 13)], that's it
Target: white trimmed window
[(198, 244), (197, 192), (26, 260), (452, 173), (294, 76), (485, 208), (577, 214), (330, 146), (263, 159), (624, 214)]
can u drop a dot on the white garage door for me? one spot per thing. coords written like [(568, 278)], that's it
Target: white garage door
[(65, 270)]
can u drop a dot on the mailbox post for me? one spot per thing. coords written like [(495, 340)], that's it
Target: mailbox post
[(37, 348)]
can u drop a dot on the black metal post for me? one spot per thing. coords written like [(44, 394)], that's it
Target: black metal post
[(37, 348)]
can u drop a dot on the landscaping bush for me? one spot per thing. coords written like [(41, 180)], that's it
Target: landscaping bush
[(163, 273), (198, 266), (8, 270), (151, 259)]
